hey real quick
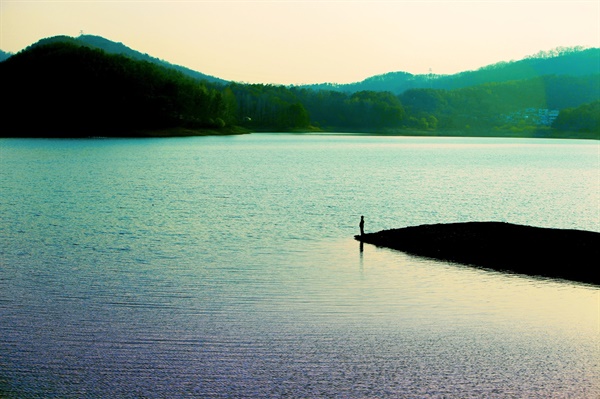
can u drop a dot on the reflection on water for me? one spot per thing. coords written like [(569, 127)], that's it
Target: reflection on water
[(226, 267)]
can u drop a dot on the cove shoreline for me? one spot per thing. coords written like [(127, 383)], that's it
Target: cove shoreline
[(535, 251)]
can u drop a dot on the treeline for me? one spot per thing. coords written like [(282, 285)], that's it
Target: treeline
[(61, 88), (268, 106), (493, 106), (585, 118)]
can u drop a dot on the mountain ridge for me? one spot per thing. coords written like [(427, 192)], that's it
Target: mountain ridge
[(78, 89), (118, 48), (576, 61)]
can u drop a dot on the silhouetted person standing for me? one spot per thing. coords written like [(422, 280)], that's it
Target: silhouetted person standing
[(362, 225)]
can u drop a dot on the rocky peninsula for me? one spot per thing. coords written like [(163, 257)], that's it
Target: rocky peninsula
[(555, 253)]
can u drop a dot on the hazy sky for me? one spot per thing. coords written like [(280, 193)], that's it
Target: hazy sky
[(283, 41)]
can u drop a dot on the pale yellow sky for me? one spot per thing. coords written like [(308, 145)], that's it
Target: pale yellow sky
[(294, 42)]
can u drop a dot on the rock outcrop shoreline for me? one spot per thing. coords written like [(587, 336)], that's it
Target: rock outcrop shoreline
[(555, 253)]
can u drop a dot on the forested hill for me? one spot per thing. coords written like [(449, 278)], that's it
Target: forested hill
[(561, 61), (111, 47), (571, 61), (64, 87)]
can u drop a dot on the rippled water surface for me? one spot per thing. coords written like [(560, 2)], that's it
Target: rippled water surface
[(225, 267)]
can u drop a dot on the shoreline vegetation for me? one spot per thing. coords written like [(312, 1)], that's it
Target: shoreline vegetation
[(71, 87), (240, 130), (190, 132), (534, 251)]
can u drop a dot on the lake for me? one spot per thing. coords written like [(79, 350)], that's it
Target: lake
[(225, 267)]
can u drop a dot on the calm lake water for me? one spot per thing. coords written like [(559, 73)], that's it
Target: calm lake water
[(225, 267)]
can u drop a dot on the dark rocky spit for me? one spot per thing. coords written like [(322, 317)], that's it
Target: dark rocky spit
[(555, 253)]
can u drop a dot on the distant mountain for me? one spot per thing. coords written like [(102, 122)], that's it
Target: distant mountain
[(563, 61), (111, 47)]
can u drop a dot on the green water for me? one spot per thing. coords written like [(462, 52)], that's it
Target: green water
[(219, 267)]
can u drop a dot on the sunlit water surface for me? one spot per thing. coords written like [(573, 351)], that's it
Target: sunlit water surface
[(225, 267)]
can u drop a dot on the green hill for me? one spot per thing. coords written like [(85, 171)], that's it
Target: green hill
[(60, 87), (119, 48)]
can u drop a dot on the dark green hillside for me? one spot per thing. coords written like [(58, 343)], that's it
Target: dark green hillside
[(61, 88), (110, 47), (119, 48)]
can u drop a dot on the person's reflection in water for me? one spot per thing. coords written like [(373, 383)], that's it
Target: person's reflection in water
[(361, 267)]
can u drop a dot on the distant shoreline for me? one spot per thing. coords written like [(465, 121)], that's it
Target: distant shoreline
[(474, 133), (140, 133), (554, 253), (187, 132), (238, 130)]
